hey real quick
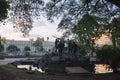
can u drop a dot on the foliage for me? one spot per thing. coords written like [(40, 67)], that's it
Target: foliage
[(4, 6), (38, 44), (88, 29), (1, 44), (109, 55), (22, 13), (7, 66), (72, 10), (12, 48), (26, 48), (82, 50), (26, 53), (86, 18), (113, 29), (1, 48)]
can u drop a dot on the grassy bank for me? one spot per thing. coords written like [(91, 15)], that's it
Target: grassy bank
[(9, 72), (9, 66)]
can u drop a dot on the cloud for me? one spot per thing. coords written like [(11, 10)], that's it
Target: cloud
[(40, 29)]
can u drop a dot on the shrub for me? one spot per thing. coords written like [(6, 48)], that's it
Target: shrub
[(109, 55), (26, 53), (7, 66)]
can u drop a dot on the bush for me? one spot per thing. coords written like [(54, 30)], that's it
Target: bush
[(27, 53), (7, 66), (109, 55)]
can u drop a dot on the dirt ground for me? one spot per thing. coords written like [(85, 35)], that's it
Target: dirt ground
[(17, 74)]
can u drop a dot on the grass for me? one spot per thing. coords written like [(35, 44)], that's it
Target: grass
[(7, 66)]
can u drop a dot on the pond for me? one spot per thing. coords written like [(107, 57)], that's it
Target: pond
[(102, 68), (99, 68), (32, 68)]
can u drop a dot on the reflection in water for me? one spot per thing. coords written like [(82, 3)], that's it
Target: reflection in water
[(99, 68), (27, 67)]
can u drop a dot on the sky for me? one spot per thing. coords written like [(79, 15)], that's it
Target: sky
[(41, 28), (104, 40)]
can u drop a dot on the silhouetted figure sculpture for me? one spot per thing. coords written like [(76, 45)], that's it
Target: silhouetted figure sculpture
[(75, 47), (61, 48), (74, 50), (70, 47), (30, 68), (56, 45)]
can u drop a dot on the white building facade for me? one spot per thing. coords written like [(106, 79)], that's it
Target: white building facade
[(22, 44)]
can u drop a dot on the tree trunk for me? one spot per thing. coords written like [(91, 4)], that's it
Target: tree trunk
[(114, 41), (115, 70)]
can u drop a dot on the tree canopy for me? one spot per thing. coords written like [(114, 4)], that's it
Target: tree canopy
[(26, 48), (73, 10), (110, 56), (4, 6), (12, 48), (38, 44), (1, 44), (113, 29), (22, 12), (87, 29)]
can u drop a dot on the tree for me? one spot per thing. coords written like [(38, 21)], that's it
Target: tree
[(1, 44), (88, 29), (4, 6), (1, 47), (72, 10), (12, 48), (113, 29), (26, 48), (22, 13), (110, 56), (38, 44)]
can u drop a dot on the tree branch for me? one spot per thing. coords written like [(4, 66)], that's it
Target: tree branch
[(115, 2)]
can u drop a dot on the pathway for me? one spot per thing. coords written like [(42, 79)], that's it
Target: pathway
[(10, 60)]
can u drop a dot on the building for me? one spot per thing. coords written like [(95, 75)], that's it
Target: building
[(22, 44)]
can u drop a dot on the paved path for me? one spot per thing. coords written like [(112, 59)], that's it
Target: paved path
[(71, 70), (10, 60)]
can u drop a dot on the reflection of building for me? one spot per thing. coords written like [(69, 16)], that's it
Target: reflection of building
[(22, 44)]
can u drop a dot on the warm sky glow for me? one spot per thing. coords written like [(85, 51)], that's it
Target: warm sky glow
[(41, 28), (104, 40)]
